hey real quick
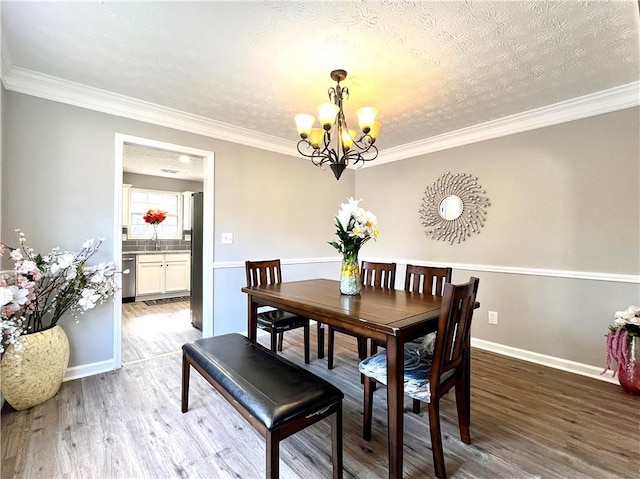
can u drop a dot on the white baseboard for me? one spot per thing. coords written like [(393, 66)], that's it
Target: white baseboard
[(594, 372), (85, 370), (544, 360)]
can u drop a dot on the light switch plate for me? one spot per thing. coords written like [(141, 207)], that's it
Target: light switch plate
[(226, 238)]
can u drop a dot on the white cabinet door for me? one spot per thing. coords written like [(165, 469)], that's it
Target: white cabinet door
[(125, 205), (186, 209), (150, 278), (150, 274), (177, 273)]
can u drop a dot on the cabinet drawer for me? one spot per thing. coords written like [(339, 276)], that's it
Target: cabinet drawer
[(177, 257), (150, 258)]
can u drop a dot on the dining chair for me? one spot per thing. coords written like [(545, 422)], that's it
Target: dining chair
[(429, 378), (422, 279), (275, 321), (376, 275)]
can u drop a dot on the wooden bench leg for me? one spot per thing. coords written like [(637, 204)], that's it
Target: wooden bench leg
[(336, 442), (273, 455), (186, 369)]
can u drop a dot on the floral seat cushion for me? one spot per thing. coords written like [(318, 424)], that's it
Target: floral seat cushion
[(418, 356)]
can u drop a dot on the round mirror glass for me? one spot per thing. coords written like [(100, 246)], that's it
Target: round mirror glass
[(450, 208)]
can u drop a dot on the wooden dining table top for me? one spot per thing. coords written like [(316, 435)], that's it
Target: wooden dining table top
[(376, 312)]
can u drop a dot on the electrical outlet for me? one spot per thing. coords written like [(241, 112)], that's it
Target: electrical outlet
[(493, 317)]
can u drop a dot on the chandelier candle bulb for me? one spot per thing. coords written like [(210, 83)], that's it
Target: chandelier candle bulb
[(327, 114), (366, 117), (304, 123), (375, 130), (315, 137)]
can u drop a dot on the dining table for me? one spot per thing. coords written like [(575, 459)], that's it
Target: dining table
[(387, 315)]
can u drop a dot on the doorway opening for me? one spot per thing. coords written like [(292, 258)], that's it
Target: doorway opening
[(154, 314)]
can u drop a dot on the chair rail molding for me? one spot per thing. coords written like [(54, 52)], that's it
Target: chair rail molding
[(554, 273)]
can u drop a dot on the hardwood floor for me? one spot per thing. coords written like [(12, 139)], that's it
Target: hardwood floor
[(527, 421), (151, 331)]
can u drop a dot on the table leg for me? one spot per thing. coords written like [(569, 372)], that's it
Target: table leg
[(252, 319), (395, 402)]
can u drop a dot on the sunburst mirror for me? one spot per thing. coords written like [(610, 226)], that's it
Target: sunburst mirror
[(453, 207)]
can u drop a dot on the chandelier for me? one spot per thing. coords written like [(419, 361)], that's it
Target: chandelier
[(335, 143)]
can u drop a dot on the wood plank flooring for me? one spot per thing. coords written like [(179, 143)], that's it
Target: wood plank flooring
[(527, 421), (150, 331)]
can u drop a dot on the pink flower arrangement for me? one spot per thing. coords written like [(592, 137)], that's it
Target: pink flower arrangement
[(626, 325)]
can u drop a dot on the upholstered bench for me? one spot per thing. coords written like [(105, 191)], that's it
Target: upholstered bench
[(276, 396)]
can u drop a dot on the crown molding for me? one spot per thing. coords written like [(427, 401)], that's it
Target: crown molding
[(605, 101), (29, 82), (57, 89)]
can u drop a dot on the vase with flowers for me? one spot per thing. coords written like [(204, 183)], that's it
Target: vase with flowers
[(623, 347), (34, 296), (355, 226), (154, 218)]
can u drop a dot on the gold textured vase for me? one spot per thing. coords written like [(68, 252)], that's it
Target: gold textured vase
[(33, 374)]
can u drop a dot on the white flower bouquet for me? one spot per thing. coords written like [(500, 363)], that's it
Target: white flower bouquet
[(41, 289)]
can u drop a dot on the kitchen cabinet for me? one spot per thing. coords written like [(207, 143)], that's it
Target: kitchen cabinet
[(160, 273), (126, 189), (187, 202)]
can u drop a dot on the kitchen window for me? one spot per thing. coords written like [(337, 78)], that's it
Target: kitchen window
[(142, 200)]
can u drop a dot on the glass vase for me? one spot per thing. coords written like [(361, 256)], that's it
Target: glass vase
[(629, 372), (154, 238), (350, 275)]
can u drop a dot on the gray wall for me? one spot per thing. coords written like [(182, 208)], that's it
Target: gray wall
[(58, 187), (563, 198), (556, 197)]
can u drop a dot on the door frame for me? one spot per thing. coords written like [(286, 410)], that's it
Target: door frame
[(207, 233)]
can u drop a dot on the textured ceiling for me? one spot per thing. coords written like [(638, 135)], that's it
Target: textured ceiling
[(145, 160), (429, 67)]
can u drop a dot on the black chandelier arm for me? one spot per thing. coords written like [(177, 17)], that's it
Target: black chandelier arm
[(358, 156)]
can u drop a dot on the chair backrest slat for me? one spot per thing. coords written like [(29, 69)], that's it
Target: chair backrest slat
[(378, 275), (426, 279), (263, 272), (454, 326)]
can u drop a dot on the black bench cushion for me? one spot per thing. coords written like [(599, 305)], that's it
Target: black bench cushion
[(271, 388)]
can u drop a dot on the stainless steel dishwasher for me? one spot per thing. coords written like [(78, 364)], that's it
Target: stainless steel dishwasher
[(129, 280)]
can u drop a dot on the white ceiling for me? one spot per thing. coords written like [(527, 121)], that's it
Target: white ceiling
[(430, 67)]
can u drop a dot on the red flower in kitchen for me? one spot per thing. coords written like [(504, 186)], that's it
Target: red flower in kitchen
[(155, 217)]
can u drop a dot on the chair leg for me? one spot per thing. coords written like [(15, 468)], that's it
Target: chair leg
[(367, 417), (273, 455), (362, 347), (306, 344), (463, 413), (416, 406), (186, 369), (320, 329), (274, 341), (436, 440), (280, 337), (331, 336), (336, 443)]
